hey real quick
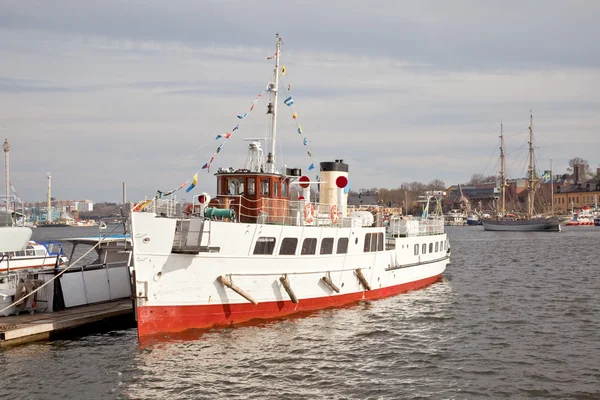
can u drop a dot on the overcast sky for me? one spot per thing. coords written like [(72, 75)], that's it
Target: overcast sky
[(103, 92)]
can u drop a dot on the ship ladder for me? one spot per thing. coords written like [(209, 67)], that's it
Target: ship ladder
[(362, 279), (229, 283)]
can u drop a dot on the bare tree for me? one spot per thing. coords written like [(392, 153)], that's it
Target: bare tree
[(436, 184), (580, 161), (480, 178)]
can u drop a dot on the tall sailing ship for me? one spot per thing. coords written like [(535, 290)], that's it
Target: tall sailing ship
[(257, 251), (530, 222)]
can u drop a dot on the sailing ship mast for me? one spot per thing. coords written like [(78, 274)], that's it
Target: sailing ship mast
[(551, 190), (530, 169), (502, 177), (272, 107)]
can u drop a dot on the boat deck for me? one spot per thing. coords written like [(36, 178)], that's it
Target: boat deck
[(23, 328)]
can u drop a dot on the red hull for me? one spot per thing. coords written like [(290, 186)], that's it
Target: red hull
[(168, 319)]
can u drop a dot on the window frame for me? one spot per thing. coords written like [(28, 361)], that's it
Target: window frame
[(330, 247), (304, 251), (272, 244), (283, 243), (337, 249)]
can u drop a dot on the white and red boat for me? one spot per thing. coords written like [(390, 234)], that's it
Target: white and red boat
[(253, 252), (18, 252), (585, 217)]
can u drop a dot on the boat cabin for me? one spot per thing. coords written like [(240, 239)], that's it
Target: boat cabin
[(256, 197)]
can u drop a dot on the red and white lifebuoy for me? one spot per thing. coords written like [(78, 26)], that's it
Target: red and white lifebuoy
[(309, 212), (334, 214)]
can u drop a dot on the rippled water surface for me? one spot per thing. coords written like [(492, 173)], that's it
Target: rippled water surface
[(516, 315)]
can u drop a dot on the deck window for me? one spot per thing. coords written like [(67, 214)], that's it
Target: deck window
[(326, 246), (284, 189), (380, 241), (264, 187), (288, 246), (342, 247), (367, 246), (430, 247), (437, 246), (424, 249), (251, 186), (275, 189), (264, 246), (416, 249), (309, 246)]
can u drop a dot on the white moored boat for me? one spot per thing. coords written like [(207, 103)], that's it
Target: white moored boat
[(253, 252)]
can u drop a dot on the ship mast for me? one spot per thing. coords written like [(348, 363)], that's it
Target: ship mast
[(272, 107), (551, 189), (530, 169), (502, 177)]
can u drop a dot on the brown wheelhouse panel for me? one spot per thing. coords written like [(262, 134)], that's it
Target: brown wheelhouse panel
[(255, 197)]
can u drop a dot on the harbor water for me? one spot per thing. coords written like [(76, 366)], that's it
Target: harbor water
[(516, 315)]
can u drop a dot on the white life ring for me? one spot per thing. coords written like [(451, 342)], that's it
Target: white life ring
[(334, 214), (309, 212)]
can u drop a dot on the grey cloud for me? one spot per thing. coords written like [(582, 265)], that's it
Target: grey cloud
[(8, 85), (454, 35)]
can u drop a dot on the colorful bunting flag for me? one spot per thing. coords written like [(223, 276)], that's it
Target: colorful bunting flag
[(193, 185), (305, 141), (289, 87), (236, 127), (272, 57), (142, 205), (242, 116), (219, 148), (299, 129), (295, 115), (283, 70), (311, 167), (226, 136)]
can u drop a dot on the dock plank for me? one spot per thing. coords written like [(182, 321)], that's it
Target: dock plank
[(18, 328)]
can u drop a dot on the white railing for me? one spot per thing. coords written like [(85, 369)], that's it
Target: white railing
[(415, 227)]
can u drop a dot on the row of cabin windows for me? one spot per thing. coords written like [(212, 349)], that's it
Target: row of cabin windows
[(433, 247), (586, 199), (266, 246), (23, 253), (373, 242), (237, 186)]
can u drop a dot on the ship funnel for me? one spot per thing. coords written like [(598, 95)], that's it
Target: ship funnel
[(334, 186)]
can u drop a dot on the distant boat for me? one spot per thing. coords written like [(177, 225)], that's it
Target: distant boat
[(455, 218), (583, 217), (473, 219), (529, 223)]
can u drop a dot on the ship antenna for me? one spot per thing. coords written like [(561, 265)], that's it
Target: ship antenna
[(273, 107)]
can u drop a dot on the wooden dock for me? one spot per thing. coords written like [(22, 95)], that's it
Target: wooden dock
[(23, 328)]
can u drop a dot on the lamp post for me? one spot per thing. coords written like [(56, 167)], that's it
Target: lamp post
[(49, 216), (6, 148)]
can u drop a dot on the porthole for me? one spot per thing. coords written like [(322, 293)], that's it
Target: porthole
[(146, 240), (342, 284), (356, 241)]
